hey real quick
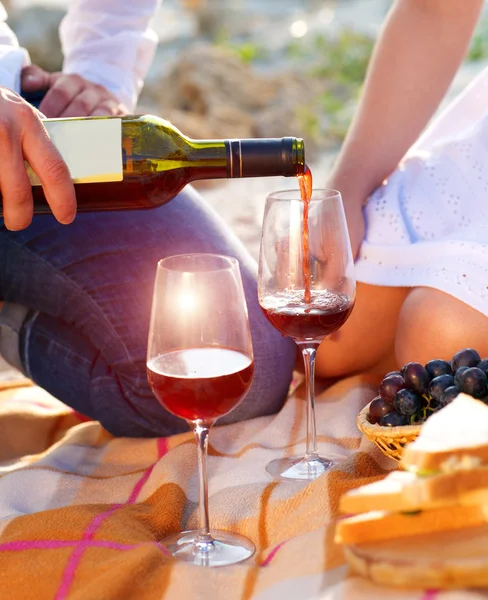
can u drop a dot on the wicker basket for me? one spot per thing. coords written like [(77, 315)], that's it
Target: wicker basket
[(390, 440)]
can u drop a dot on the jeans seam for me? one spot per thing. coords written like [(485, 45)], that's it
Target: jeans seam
[(25, 334), (73, 285)]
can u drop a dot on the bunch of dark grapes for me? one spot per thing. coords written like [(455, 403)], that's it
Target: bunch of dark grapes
[(410, 396)]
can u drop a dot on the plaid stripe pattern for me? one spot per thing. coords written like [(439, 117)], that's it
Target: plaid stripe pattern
[(82, 513)]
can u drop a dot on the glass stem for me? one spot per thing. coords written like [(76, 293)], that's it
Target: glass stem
[(201, 434), (308, 353)]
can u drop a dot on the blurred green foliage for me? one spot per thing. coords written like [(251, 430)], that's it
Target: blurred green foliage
[(338, 64), (478, 49), (343, 58), (248, 51), (310, 121)]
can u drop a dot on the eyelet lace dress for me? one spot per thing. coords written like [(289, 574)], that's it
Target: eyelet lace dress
[(428, 225)]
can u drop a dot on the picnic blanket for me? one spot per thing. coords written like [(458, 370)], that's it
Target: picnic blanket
[(81, 512)]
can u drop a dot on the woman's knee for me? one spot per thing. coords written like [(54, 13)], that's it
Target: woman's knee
[(366, 340), (433, 324)]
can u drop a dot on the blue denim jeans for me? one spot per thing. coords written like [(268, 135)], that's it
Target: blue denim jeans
[(88, 287)]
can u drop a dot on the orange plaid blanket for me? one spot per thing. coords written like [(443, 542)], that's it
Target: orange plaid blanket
[(81, 512)]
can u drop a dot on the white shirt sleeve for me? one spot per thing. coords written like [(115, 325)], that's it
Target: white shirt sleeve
[(110, 42), (12, 57)]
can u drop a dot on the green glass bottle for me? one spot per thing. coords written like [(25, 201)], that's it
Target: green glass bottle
[(149, 161)]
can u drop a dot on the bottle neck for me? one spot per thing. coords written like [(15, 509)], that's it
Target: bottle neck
[(265, 157), (261, 157)]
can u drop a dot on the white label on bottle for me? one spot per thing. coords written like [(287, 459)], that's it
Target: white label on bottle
[(92, 148)]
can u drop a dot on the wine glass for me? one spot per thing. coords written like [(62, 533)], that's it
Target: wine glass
[(306, 288), (200, 366)]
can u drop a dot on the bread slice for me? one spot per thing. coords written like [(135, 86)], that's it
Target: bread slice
[(404, 491), (454, 438), (381, 525), (450, 559), (386, 494)]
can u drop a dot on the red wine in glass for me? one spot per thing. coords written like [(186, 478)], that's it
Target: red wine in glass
[(200, 383), (324, 314)]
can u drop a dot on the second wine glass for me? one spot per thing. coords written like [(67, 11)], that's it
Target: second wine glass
[(200, 366), (306, 289)]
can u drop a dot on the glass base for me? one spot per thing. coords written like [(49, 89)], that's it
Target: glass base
[(299, 469), (223, 548)]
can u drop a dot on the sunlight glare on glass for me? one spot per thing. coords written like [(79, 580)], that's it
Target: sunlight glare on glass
[(187, 300), (298, 29)]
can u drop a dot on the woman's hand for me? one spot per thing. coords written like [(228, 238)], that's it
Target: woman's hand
[(24, 138), (70, 95)]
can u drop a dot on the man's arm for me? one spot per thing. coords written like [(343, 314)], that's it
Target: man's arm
[(416, 57), (111, 43)]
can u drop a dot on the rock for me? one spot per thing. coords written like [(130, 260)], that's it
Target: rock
[(191, 124), (204, 75), (232, 121), (211, 93), (228, 122)]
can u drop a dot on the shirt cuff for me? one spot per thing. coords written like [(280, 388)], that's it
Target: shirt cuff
[(12, 61), (119, 63)]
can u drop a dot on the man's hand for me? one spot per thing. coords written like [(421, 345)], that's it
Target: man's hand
[(70, 95), (24, 138)]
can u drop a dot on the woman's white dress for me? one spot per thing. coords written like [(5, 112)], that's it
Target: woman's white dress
[(428, 226)]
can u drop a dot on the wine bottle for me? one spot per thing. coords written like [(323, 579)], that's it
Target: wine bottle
[(136, 162)]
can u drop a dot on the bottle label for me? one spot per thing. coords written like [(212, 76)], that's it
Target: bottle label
[(92, 148)]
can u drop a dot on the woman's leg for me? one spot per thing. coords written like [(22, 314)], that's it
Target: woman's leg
[(392, 326), (89, 287), (366, 342), (433, 324)]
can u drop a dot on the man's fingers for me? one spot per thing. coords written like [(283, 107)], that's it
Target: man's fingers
[(109, 107), (83, 104), (34, 79), (24, 138), (61, 94), (53, 173), (14, 183)]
